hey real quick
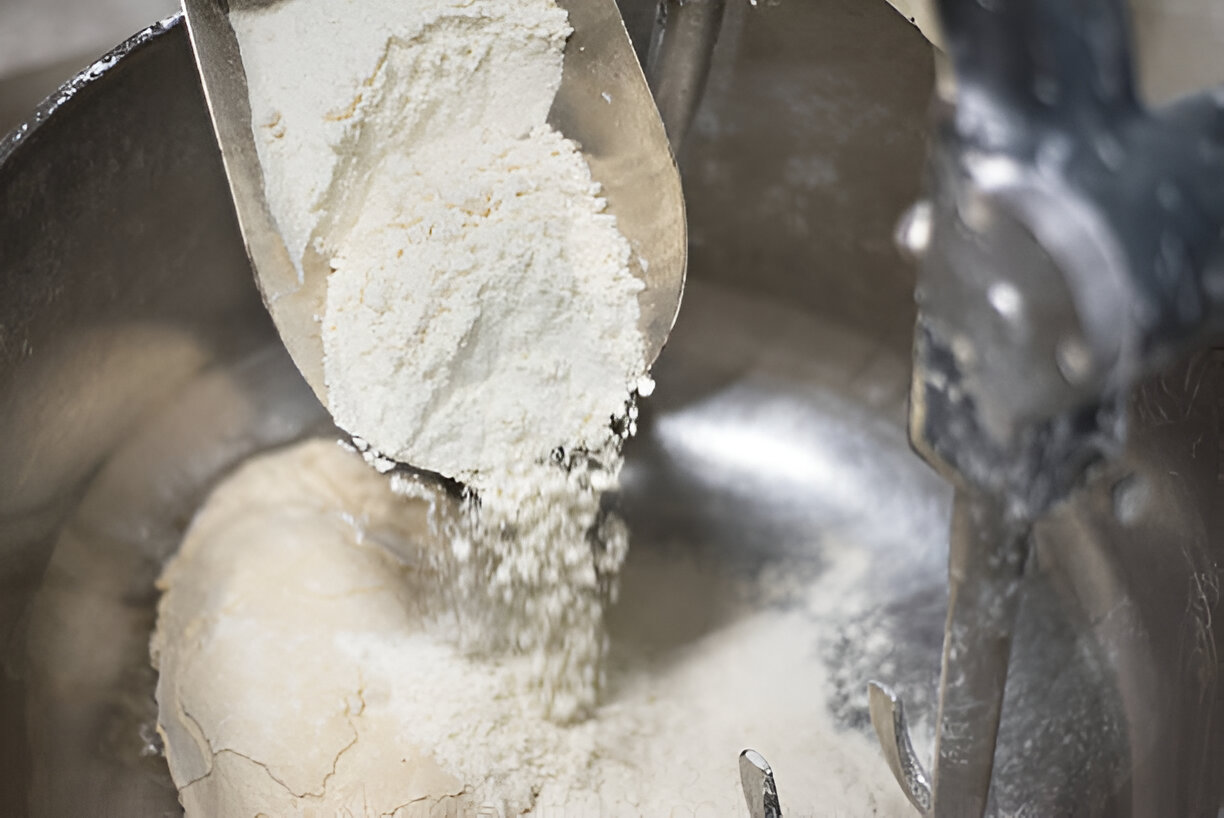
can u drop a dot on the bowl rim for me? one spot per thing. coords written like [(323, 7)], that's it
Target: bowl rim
[(11, 142)]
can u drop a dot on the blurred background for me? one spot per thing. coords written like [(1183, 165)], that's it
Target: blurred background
[(45, 42)]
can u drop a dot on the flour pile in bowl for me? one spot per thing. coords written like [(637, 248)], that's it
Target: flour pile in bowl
[(302, 673)]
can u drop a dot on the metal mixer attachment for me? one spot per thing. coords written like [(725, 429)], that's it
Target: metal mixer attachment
[(1071, 245), (760, 790), (681, 49)]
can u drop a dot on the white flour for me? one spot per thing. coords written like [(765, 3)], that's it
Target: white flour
[(481, 319), (302, 673), (480, 310)]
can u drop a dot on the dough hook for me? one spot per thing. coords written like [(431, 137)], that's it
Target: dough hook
[(1068, 249), (985, 572), (760, 790)]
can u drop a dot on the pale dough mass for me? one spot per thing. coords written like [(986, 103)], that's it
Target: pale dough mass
[(266, 705)]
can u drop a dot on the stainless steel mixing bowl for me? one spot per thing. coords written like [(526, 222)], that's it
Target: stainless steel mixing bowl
[(137, 366)]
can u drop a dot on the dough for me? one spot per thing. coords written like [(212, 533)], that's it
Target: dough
[(277, 593)]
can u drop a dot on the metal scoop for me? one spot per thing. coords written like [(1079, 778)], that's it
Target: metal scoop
[(603, 104)]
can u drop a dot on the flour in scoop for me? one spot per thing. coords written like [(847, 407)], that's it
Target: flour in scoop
[(481, 318), (480, 308)]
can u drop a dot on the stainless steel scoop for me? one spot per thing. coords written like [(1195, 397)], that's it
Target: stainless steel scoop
[(604, 105)]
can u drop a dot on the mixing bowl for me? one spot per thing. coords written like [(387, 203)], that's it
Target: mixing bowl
[(138, 367)]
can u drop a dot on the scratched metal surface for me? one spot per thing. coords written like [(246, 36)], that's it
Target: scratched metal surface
[(137, 367), (43, 43)]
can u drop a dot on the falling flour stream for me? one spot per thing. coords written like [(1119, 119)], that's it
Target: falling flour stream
[(481, 320)]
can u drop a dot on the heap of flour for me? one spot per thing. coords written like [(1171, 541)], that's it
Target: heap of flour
[(481, 319), (302, 674)]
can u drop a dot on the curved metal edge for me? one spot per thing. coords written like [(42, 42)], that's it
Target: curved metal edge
[(760, 789), (888, 718), (609, 139), (295, 298), (13, 140)]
